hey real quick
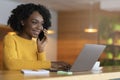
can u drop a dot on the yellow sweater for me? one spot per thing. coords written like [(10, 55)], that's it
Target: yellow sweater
[(20, 53)]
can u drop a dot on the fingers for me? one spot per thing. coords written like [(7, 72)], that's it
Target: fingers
[(41, 44), (45, 31), (44, 39), (66, 66), (61, 65)]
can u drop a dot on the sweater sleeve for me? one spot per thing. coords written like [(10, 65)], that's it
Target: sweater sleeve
[(12, 62), (41, 56)]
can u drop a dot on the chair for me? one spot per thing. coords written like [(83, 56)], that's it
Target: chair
[(4, 29)]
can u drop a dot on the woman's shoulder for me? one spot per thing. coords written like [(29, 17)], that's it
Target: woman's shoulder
[(10, 34), (9, 37)]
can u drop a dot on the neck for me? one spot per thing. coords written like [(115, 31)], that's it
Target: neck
[(24, 36)]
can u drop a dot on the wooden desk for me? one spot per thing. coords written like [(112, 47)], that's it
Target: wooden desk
[(106, 74)]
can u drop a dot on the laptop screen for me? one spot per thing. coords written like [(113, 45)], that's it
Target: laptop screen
[(87, 57)]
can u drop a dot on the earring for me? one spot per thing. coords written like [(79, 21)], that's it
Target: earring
[(22, 23)]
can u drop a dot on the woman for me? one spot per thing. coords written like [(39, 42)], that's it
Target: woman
[(21, 50)]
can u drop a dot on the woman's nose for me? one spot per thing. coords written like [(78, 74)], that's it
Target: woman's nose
[(40, 27)]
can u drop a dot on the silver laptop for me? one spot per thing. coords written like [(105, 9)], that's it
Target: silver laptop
[(87, 57)]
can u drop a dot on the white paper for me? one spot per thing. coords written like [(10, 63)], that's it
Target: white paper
[(36, 72)]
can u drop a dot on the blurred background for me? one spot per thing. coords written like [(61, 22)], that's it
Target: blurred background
[(75, 23)]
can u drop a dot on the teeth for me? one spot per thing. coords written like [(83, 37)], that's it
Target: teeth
[(36, 32)]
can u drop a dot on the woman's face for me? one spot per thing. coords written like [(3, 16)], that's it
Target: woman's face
[(32, 26)]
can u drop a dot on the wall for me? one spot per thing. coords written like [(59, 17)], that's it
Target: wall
[(51, 49), (71, 35), (5, 8)]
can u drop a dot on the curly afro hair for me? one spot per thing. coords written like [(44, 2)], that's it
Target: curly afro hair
[(23, 11)]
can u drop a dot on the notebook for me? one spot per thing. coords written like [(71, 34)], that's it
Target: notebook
[(41, 72), (87, 57)]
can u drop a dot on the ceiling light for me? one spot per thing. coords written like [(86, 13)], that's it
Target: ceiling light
[(91, 29), (50, 31)]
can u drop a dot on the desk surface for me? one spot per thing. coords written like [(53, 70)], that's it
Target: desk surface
[(106, 74)]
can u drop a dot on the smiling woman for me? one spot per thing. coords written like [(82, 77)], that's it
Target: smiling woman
[(32, 26), (20, 50)]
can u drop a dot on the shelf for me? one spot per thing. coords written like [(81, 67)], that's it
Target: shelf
[(109, 35), (110, 62), (111, 59), (112, 51), (116, 31), (110, 44)]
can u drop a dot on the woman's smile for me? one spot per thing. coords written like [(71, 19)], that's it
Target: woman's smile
[(35, 32)]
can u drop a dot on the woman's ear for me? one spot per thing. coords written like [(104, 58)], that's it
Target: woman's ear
[(22, 23)]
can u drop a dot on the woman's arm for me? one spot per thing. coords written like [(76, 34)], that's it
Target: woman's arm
[(12, 61)]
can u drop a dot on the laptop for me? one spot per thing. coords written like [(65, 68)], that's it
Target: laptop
[(87, 57)]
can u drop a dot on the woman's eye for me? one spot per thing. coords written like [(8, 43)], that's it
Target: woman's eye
[(34, 22), (37, 23)]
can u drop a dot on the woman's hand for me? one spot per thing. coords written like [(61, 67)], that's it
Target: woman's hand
[(60, 65), (42, 43)]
